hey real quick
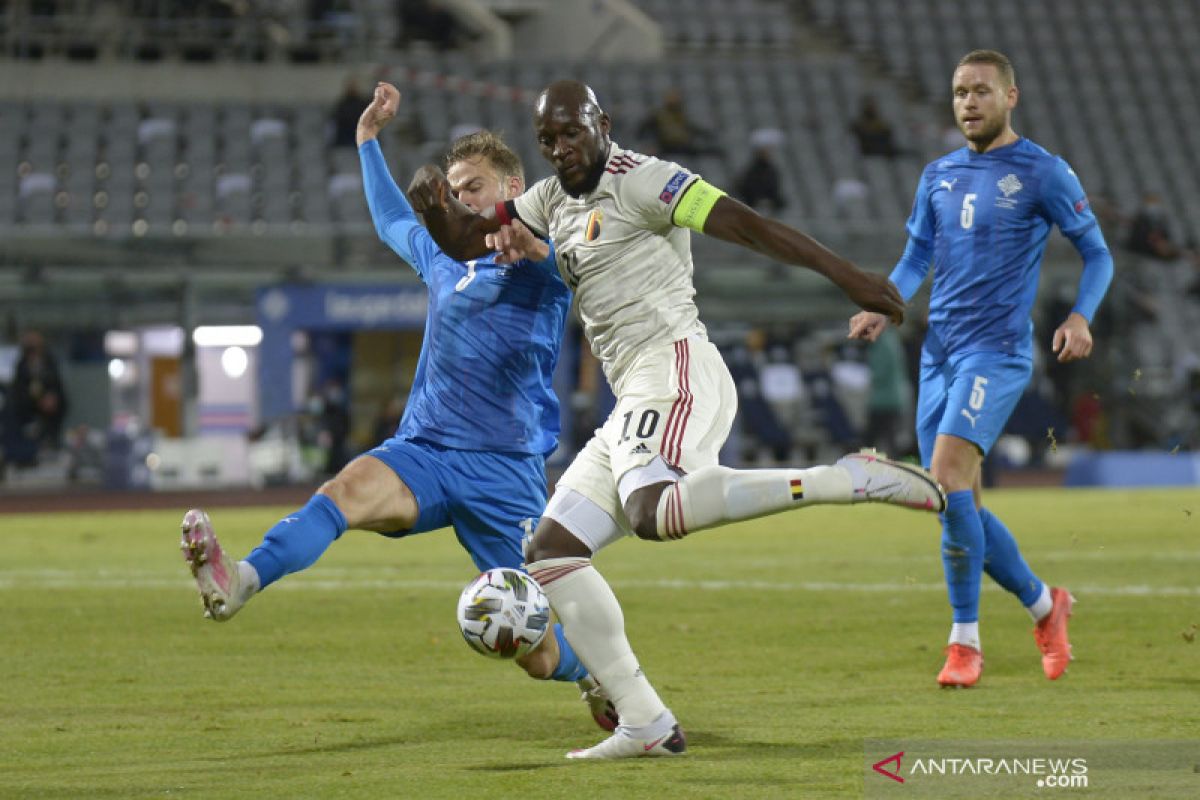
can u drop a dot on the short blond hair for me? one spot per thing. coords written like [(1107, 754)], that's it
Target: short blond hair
[(1004, 67), (485, 144)]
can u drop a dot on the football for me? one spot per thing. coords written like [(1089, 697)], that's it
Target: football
[(503, 613)]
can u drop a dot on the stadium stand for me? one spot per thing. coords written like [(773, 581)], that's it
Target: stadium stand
[(240, 188)]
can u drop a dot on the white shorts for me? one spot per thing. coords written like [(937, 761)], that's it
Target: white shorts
[(676, 402)]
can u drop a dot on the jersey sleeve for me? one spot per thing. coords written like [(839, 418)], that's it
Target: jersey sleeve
[(548, 265), (533, 207), (395, 221), (1064, 203), (910, 271), (653, 190)]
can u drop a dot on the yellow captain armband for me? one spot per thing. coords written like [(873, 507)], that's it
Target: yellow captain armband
[(696, 204)]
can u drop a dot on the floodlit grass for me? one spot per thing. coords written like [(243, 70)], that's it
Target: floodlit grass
[(781, 645)]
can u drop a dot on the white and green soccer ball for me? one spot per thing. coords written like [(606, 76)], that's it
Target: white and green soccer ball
[(503, 613)]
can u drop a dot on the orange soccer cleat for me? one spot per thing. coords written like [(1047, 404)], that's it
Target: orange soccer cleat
[(1051, 634), (963, 666)]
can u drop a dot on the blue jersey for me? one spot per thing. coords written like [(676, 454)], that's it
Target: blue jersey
[(492, 336), (982, 221)]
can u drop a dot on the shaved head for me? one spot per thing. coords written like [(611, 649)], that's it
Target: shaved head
[(568, 94), (572, 134)]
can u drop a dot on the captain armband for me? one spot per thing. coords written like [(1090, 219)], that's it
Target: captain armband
[(697, 202)]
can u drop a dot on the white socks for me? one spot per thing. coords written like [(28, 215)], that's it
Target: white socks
[(595, 626), (966, 633), (1042, 606), (716, 495), (248, 582)]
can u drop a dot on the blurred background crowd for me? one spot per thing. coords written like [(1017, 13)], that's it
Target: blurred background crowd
[(192, 293)]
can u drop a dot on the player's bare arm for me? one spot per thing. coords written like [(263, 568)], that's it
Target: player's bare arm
[(460, 232), (516, 242), (1073, 339), (733, 221), (379, 113)]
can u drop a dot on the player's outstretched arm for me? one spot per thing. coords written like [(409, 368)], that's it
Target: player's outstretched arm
[(460, 232), (736, 222)]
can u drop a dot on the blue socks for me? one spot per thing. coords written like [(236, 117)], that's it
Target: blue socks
[(569, 668), (962, 554), (297, 540), (1003, 561)]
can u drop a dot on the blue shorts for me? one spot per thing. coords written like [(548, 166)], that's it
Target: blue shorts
[(491, 499), (970, 396)]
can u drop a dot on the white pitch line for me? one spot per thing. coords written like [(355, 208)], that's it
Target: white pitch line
[(114, 579)]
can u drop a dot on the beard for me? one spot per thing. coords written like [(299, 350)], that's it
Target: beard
[(986, 133)]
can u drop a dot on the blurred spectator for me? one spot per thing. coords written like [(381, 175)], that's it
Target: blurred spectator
[(782, 387), (669, 133), (429, 21), (38, 398), (850, 197), (757, 416), (891, 392), (346, 112), (758, 184), (1149, 232), (335, 426), (1108, 214), (388, 420), (1192, 254), (873, 132)]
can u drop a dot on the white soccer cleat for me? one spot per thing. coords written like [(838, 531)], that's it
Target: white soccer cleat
[(875, 478), (627, 744), (598, 702), (217, 576)]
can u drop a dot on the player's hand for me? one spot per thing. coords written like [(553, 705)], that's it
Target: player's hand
[(874, 292), (1073, 339), (867, 325), (429, 191), (515, 242), (379, 113)]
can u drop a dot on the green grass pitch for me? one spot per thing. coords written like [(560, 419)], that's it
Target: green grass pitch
[(781, 644)]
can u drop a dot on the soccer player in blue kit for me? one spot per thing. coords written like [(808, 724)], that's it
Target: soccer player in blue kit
[(981, 218), (482, 417)]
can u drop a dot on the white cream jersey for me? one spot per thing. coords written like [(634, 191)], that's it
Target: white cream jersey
[(629, 266)]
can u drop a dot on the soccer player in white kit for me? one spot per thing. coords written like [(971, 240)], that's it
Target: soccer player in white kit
[(619, 221)]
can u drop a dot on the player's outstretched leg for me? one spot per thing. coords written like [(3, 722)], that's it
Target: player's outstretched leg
[(875, 478), (225, 585), (713, 496), (1051, 634)]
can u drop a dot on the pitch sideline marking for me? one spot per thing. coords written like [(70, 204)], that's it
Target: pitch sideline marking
[(123, 579)]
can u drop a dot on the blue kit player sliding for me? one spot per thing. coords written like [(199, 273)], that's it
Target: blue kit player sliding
[(981, 218), (482, 417)]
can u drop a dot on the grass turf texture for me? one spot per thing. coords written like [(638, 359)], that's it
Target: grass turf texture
[(781, 644)]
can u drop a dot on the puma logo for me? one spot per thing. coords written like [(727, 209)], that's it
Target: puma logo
[(970, 419), (950, 184)]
